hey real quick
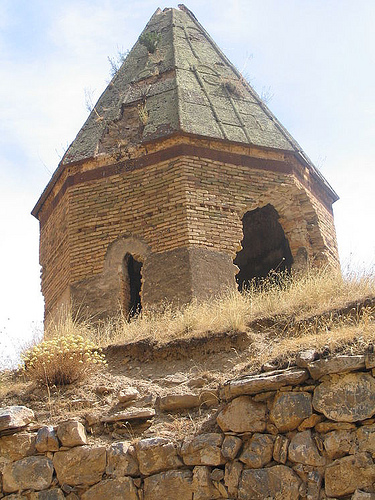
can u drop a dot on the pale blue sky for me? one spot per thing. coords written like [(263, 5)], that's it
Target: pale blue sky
[(317, 57)]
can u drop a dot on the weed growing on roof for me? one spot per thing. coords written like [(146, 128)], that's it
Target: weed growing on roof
[(150, 41), (61, 360)]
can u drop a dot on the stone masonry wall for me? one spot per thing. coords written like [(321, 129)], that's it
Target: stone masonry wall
[(306, 432)]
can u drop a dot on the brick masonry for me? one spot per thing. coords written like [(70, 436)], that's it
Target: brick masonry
[(178, 208)]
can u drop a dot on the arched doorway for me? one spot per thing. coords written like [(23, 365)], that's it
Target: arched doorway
[(131, 285), (264, 246)]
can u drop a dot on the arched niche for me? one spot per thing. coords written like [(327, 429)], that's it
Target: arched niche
[(123, 267), (265, 247)]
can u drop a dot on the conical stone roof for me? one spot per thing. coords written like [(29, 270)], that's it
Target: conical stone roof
[(185, 85)]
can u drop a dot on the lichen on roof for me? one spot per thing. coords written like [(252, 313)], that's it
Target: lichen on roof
[(183, 83)]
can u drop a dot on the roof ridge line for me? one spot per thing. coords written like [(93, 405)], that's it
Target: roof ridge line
[(265, 108)]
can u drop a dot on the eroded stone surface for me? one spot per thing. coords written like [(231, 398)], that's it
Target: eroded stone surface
[(265, 382), (80, 465), (231, 446), (52, 494), (121, 460), (17, 446), (170, 484), (71, 433), (289, 409), (46, 439), (13, 417), (243, 415), (303, 450), (28, 473), (175, 402), (346, 398), (257, 452), (347, 474), (338, 364), (278, 482), (203, 486), (156, 455), (339, 443), (204, 449), (232, 476), (121, 488)]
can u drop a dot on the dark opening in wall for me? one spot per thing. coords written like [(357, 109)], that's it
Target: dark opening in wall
[(264, 246), (131, 285)]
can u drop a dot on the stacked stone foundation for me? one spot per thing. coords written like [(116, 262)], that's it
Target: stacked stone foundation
[(306, 432)]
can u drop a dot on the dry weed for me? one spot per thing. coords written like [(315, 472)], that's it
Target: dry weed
[(61, 360), (285, 298)]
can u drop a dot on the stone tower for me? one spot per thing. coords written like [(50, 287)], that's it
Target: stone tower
[(180, 183)]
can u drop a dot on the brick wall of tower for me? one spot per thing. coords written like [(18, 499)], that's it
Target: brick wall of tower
[(148, 203), (218, 194), (188, 202), (54, 254)]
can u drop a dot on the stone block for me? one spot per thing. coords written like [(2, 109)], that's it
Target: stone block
[(243, 415), (169, 485), (337, 364), (339, 443), (15, 417), (363, 495), (82, 465), (346, 398), (257, 452), (71, 433), (203, 487), (34, 473), (280, 449), (17, 446), (156, 455), (303, 450), (265, 382), (273, 482), (366, 438), (46, 440), (52, 494), (177, 402), (128, 394), (230, 447), (204, 449), (121, 460), (347, 474), (289, 409), (122, 488), (232, 477)]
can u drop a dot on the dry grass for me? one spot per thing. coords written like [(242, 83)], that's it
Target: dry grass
[(61, 360), (287, 300), (279, 297)]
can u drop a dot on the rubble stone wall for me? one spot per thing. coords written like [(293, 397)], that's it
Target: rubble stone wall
[(306, 432)]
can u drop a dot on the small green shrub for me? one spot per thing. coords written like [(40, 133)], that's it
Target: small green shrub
[(61, 360), (150, 41)]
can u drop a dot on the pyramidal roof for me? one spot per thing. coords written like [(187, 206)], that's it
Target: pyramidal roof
[(176, 79), (186, 85)]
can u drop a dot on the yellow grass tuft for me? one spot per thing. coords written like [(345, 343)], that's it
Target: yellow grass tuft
[(61, 360)]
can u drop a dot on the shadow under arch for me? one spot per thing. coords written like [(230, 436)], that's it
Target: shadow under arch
[(265, 247), (123, 263)]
